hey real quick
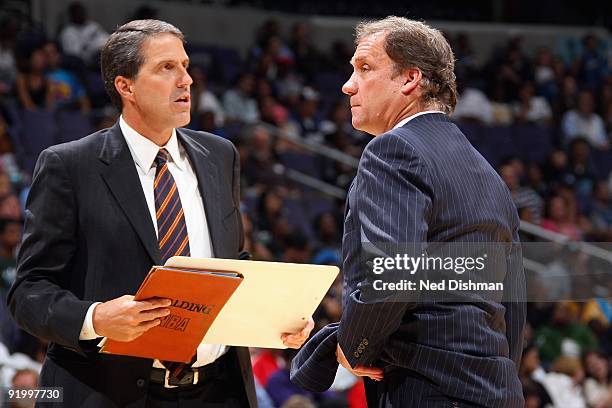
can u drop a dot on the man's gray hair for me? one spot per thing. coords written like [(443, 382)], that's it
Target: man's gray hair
[(122, 53), (412, 44)]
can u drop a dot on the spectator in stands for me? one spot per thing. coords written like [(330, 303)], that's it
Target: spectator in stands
[(556, 170), (559, 218), (10, 237), (509, 68), (532, 374), (466, 66), (274, 113), (535, 180), (8, 65), (238, 102), (338, 131), (581, 166), (206, 122), (82, 37), (501, 109), (286, 394), (204, 100), (563, 335), (584, 122), (272, 219), (306, 117), (258, 168), (327, 233), (605, 104), (255, 247), (280, 388), (545, 75), (65, 87), (598, 384), (25, 378), (531, 108), (265, 363), (523, 197), (568, 97), (297, 248), (601, 211), (275, 55), (5, 139), (307, 57), (564, 383), (32, 85), (271, 110), (473, 106), (10, 207), (593, 63)]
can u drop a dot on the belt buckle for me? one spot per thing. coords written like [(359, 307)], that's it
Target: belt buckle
[(194, 380), (167, 380)]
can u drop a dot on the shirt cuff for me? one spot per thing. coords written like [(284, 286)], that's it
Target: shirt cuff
[(87, 331)]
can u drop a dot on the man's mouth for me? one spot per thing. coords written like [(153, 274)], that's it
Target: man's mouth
[(183, 99)]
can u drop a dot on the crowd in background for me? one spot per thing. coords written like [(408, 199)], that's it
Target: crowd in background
[(286, 94)]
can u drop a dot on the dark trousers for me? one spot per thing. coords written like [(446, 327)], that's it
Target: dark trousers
[(403, 388), (221, 391)]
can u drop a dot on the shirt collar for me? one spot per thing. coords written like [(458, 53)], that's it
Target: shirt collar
[(144, 150), (409, 118)]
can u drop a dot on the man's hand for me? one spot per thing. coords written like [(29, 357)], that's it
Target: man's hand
[(124, 318), (374, 373), (295, 340)]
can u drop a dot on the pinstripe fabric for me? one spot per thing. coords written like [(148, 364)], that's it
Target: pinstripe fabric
[(172, 229), (423, 182)]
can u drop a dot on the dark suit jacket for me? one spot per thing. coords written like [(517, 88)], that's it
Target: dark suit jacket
[(424, 183), (89, 237)]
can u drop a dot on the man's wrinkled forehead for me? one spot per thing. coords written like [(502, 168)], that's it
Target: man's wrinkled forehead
[(370, 46)]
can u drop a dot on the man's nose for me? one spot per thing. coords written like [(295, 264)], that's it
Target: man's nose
[(185, 79), (350, 86)]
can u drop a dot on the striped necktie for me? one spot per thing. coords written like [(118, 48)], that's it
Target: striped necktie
[(171, 228)]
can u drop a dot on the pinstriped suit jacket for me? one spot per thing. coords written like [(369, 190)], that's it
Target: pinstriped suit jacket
[(424, 183)]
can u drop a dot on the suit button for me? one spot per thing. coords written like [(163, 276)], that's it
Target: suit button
[(365, 342), (356, 355), (140, 383)]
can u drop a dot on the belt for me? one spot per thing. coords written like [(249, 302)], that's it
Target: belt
[(192, 376)]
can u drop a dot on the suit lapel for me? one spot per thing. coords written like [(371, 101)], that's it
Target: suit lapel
[(207, 174), (122, 179)]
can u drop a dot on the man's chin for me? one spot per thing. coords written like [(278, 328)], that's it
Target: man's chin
[(183, 119)]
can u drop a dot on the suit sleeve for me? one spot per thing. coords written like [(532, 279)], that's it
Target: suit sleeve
[(37, 300), (392, 201), (236, 196), (514, 294)]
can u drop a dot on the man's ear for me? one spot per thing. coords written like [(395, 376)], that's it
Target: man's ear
[(124, 87), (412, 79)]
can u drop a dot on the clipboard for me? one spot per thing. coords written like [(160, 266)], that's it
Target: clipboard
[(273, 298), (197, 298)]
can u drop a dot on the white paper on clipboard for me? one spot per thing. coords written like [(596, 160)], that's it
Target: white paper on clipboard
[(274, 298)]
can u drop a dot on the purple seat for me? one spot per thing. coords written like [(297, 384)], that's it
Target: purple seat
[(38, 131), (72, 125), (302, 162), (534, 142)]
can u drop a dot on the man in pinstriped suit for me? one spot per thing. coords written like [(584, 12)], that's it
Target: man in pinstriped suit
[(419, 181)]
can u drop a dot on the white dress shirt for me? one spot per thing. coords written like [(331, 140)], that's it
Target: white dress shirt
[(409, 118), (144, 152)]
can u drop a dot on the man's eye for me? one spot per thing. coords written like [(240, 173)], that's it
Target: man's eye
[(168, 66), (365, 68)]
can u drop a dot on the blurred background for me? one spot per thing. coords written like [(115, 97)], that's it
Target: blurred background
[(535, 98)]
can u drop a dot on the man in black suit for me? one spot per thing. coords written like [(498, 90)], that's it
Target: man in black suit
[(420, 187), (102, 210)]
